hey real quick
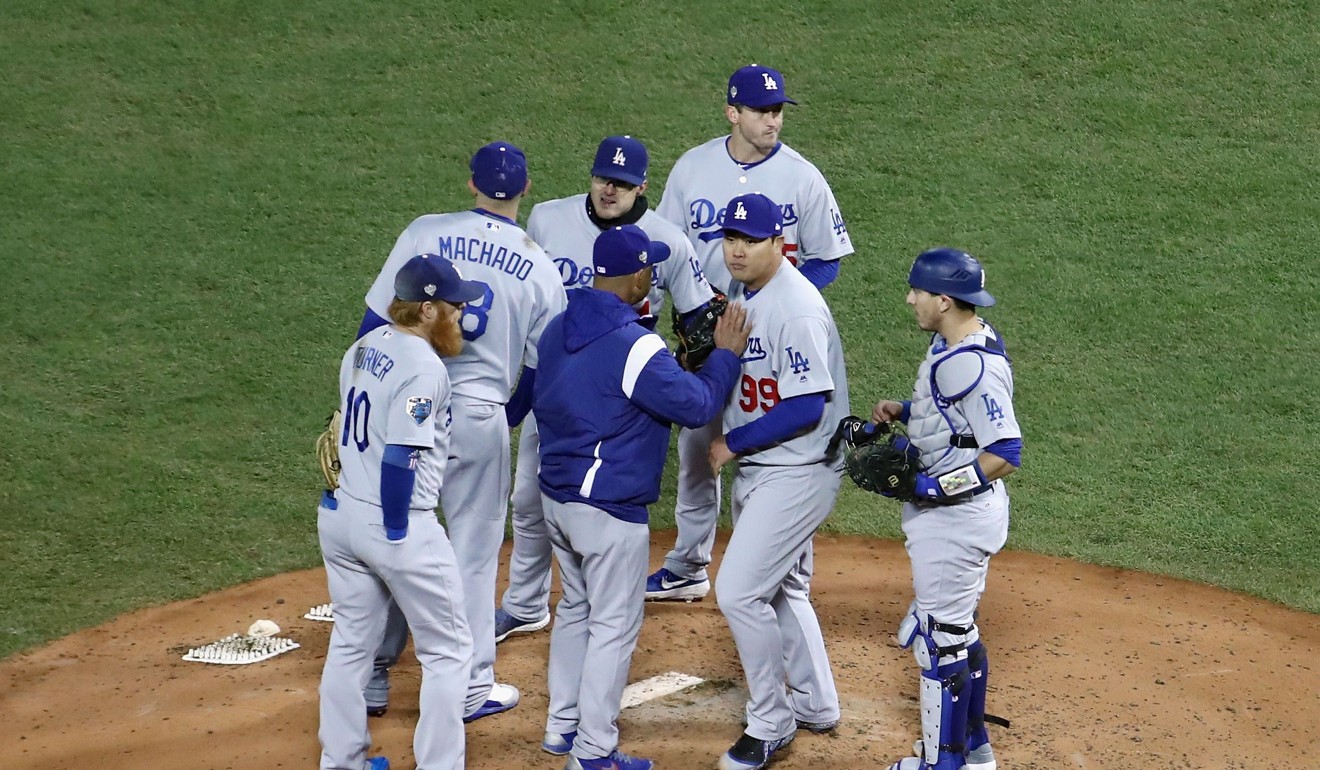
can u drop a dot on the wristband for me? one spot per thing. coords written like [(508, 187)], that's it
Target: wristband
[(960, 480)]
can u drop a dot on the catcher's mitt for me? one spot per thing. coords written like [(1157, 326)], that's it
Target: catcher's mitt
[(886, 463), (327, 450), (696, 335)]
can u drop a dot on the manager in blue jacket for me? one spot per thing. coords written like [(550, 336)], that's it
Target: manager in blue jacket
[(607, 390)]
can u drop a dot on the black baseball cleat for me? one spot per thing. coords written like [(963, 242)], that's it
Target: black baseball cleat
[(752, 753), (376, 711)]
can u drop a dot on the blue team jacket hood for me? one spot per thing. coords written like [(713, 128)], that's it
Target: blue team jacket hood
[(592, 314)]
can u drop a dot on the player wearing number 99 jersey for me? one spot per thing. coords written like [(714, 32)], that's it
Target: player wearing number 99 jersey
[(777, 426), (522, 292)]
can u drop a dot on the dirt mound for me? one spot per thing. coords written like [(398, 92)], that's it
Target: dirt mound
[(1096, 668)]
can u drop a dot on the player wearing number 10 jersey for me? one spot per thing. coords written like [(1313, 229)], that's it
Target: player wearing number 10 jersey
[(500, 331)]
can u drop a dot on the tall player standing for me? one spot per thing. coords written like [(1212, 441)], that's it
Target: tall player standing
[(962, 419), (378, 530), (521, 293), (750, 159), (777, 427), (567, 228)]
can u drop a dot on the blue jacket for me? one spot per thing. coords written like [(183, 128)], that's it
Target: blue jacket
[(606, 392)]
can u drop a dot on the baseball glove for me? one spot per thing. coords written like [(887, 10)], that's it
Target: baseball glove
[(696, 335), (327, 450), (886, 463)]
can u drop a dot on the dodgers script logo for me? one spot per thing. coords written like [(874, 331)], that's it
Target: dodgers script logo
[(572, 275), (705, 215), (755, 351)]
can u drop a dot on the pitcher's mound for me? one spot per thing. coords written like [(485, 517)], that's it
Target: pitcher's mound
[(1096, 668)]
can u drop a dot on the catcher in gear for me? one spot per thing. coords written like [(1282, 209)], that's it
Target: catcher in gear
[(695, 332), (879, 458), (962, 420)]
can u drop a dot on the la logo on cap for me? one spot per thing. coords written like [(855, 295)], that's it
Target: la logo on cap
[(619, 159), (769, 82), (740, 213)]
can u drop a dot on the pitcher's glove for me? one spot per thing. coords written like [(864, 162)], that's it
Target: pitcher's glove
[(696, 334), (327, 450), (885, 463)]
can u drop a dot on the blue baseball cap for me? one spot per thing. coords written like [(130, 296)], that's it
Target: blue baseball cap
[(499, 170), (622, 158), (625, 249), (427, 278), (758, 87), (753, 215)]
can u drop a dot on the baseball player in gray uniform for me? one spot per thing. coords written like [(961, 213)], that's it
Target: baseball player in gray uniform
[(961, 417), (379, 533), (749, 159), (777, 426), (521, 293), (606, 396), (567, 229)]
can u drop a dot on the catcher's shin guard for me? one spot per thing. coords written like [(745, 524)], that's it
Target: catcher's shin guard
[(941, 651), (978, 738)]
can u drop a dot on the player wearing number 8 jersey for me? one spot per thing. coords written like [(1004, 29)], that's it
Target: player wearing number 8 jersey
[(777, 427), (522, 292)]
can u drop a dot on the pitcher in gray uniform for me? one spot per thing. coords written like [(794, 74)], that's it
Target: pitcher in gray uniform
[(605, 396), (962, 419), (379, 533), (792, 392)]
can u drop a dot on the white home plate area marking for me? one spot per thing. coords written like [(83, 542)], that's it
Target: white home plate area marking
[(659, 686)]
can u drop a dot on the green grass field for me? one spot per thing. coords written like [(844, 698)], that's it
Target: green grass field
[(196, 197)]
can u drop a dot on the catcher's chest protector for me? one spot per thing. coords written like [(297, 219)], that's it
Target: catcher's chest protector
[(937, 416)]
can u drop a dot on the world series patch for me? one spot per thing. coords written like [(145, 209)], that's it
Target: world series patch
[(419, 409)]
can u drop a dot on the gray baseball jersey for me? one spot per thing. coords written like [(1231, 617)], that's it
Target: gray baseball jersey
[(794, 349), (706, 178), (523, 293), (562, 228), (393, 390)]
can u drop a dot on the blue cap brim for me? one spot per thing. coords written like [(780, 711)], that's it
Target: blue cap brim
[(657, 252), (466, 291), (612, 172)]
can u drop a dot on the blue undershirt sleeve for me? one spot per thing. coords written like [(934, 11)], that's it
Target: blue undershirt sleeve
[(370, 321), (821, 272), (398, 473), (788, 418), (520, 402), (1008, 448)]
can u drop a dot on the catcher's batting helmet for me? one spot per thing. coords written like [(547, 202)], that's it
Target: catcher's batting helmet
[(952, 272)]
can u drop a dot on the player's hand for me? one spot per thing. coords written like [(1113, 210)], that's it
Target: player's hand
[(733, 329), (886, 411), (719, 454)]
